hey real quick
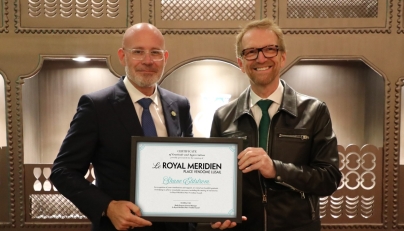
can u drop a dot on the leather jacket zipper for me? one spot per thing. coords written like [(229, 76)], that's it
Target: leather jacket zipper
[(302, 137), (293, 188), (264, 200), (313, 211)]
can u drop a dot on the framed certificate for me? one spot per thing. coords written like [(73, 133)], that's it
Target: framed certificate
[(184, 179)]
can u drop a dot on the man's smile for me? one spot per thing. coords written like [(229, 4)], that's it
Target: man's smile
[(262, 68)]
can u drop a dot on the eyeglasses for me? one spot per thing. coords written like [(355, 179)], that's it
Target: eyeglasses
[(251, 54), (139, 54)]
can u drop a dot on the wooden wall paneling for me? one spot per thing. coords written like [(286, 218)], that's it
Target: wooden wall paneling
[(5, 216)]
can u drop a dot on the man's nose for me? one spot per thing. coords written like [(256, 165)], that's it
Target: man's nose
[(147, 58), (261, 58)]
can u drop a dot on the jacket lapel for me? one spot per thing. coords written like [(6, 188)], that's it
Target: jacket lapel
[(171, 113), (125, 109)]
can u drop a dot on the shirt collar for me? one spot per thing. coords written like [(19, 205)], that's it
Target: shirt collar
[(136, 95), (276, 96)]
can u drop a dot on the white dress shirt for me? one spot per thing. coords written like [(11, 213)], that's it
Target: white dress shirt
[(156, 109), (276, 98)]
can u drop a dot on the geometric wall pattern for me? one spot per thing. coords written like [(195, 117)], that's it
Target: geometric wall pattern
[(44, 202), (222, 10), (76, 16), (53, 206), (332, 9), (355, 198)]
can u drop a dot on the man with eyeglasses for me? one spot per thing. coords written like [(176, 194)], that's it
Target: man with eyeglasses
[(101, 132), (290, 157)]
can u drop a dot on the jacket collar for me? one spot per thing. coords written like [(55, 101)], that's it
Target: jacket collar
[(289, 101)]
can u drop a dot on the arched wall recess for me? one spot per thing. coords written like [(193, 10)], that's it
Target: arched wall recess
[(356, 96), (46, 102), (398, 163), (6, 152), (49, 99), (3, 118), (208, 83)]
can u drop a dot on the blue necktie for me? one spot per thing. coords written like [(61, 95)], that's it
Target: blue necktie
[(147, 121), (264, 123)]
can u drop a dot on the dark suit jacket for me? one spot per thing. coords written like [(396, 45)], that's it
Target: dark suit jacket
[(100, 133)]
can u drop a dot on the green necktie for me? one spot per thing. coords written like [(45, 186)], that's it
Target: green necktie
[(264, 123)]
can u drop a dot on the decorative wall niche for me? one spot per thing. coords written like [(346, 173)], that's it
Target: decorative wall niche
[(49, 101), (4, 156), (355, 96), (398, 166), (3, 120), (208, 84)]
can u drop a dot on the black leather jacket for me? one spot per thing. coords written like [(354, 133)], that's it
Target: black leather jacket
[(303, 148)]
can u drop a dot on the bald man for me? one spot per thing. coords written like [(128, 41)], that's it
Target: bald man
[(101, 130)]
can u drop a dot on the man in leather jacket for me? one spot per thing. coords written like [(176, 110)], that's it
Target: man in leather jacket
[(282, 181)]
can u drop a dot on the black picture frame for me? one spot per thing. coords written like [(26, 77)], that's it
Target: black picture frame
[(141, 158)]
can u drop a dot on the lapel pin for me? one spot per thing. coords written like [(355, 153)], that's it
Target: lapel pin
[(173, 113)]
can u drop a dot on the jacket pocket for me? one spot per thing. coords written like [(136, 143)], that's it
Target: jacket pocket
[(292, 145), (240, 135)]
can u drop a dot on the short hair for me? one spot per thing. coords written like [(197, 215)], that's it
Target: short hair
[(265, 23)]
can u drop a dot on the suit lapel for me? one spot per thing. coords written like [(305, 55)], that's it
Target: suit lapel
[(171, 113), (125, 109)]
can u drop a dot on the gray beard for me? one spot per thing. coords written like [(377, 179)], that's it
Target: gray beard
[(139, 80)]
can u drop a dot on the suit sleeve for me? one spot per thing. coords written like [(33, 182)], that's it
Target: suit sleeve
[(73, 160), (187, 122)]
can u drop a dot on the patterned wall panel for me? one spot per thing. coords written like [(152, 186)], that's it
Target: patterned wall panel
[(76, 16), (203, 17), (357, 199), (43, 201), (333, 16), (3, 16)]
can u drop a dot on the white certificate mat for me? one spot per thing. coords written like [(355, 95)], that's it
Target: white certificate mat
[(186, 179)]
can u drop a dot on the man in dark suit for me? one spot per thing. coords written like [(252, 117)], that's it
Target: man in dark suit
[(101, 130)]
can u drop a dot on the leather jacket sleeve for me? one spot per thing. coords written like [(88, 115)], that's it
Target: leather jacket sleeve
[(320, 175)]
